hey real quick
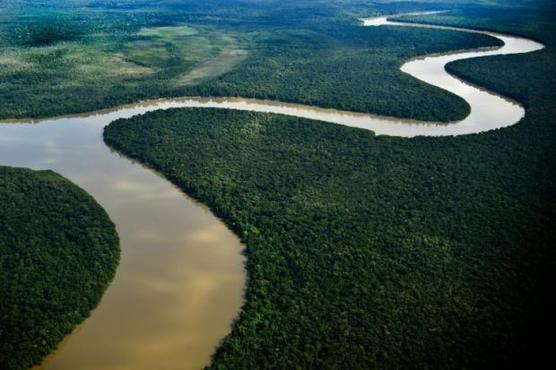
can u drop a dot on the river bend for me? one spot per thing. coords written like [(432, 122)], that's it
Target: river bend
[(181, 278)]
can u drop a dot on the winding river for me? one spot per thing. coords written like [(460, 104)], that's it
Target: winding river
[(181, 278)]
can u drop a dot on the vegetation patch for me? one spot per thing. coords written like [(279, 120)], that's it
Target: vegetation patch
[(224, 62), (365, 251), (58, 252), (99, 56), (106, 64)]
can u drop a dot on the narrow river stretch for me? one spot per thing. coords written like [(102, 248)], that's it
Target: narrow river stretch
[(181, 278)]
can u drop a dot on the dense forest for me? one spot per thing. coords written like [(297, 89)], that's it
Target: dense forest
[(101, 54), (58, 252), (365, 251)]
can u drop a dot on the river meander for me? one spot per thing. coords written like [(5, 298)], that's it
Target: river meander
[(181, 278)]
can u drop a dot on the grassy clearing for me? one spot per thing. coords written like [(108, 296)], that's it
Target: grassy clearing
[(174, 47), (53, 74), (168, 32), (224, 62)]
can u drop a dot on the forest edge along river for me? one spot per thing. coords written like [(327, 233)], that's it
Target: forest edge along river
[(181, 278)]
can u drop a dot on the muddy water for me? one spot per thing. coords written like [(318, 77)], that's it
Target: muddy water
[(181, 277)]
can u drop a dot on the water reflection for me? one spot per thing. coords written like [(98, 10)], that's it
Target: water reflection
[(181, 277)]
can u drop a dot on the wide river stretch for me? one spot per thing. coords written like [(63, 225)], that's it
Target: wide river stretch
[(181, 279)]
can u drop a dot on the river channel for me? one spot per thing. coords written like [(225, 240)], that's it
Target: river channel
[(181, 279)]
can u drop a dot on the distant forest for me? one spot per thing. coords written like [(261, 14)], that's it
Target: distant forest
[(94, 55)]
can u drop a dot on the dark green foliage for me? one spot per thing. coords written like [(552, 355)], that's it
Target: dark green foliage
[(58, 252), (44, 34), (364, 251)]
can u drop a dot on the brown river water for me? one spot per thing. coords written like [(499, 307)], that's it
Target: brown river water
[(181, 279)]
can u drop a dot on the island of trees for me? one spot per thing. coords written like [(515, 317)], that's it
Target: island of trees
[(58, 253)]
